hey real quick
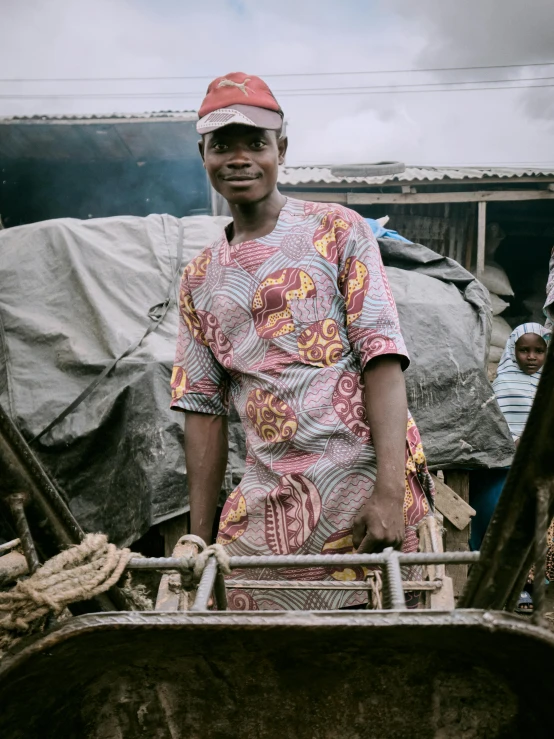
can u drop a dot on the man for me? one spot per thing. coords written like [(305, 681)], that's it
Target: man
[(290, 313)]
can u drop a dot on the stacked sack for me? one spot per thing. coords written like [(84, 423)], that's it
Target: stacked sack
[(495, 279)]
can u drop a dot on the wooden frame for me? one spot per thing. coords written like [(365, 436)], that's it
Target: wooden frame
[(419, 198)]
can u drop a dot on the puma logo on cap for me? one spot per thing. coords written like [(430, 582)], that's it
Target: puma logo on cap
[(231, 83)]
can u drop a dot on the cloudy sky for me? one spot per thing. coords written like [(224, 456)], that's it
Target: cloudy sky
[(78, 56)]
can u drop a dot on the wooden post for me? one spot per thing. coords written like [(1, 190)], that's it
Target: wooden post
[(470, 240), (172, 530), (172, 596), (457, 540), (481, 230)]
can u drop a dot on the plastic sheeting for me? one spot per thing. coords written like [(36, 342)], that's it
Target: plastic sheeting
[(76, 294), (380, 231)]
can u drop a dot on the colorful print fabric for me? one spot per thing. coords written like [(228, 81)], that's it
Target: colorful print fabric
[(283, 325), (549, 305)]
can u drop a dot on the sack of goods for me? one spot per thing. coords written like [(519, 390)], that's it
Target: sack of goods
[(501, 330), (495, 279), (498, 305), (495, 352)]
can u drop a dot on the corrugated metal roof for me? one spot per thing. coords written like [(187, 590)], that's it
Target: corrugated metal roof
[(295, 176), (188, 115), (154, 136)]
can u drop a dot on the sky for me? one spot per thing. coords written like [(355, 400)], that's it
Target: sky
[(69, 57)]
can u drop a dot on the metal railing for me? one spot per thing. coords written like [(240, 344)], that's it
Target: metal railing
[(213, 583)]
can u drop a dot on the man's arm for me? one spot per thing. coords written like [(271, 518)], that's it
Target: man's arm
[(380, 523), (206, 449)]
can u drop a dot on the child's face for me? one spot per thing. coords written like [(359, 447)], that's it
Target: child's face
[(530, 353)]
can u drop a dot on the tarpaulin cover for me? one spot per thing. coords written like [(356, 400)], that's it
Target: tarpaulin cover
[(76, 294)]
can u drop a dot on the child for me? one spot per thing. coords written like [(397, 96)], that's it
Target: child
[(515, 386), (519, 373)]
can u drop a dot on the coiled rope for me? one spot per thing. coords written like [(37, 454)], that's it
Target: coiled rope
[(79, 573)]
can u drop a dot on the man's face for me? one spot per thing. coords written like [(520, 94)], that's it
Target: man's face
[(530, 353), (243, 162)]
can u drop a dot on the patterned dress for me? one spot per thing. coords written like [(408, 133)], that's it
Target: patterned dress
[(549, 305), (283, 325)]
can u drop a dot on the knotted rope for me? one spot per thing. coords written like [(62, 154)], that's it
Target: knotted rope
[(375, 580), (79, 573), (214, 550)]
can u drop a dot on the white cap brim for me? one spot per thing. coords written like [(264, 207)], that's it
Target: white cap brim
[(245, 115)]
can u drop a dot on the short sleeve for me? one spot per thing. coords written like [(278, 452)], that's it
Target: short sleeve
[(371, 317), (198, 382)]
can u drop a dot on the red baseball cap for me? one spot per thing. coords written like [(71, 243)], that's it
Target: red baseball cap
[(239, 98)]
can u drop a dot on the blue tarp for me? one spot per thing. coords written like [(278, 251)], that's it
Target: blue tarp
[(381, 232)]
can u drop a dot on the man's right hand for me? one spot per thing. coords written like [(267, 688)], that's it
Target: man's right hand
[(380, 523)]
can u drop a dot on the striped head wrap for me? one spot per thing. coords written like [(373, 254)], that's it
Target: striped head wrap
[(514, 390)]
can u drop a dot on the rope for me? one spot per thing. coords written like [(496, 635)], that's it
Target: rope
[(375, 581), (217, 551), (78, 573)]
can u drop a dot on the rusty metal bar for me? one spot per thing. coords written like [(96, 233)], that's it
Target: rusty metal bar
[(408, 585), (393, 581), (220, 591), (21, 470), (205, 586), (309, 560), (16, 502), (333, 560)]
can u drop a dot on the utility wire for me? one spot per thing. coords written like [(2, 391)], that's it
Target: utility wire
[(405, 92), (284, 74), (414, 84), (386, 90)]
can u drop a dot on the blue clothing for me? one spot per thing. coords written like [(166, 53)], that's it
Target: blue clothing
[(380, 232), (484, 493)]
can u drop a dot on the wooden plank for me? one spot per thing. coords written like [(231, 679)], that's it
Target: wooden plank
[(452, 506), (172, 530), (481, 237), (430, 540), (491, 196), (446, 182), (470, 239), (456, 540), (171, 594)]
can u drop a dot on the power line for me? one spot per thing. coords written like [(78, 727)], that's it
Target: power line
[(402, 92), (386, 90), (273, 75), (410, 85), (413, 92)]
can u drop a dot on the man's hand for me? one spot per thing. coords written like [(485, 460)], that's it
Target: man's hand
[(380, 523)]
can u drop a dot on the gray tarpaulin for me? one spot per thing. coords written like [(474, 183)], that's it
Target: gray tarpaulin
[(74, 295)]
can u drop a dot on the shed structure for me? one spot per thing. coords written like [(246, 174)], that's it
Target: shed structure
[(453, 210)]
